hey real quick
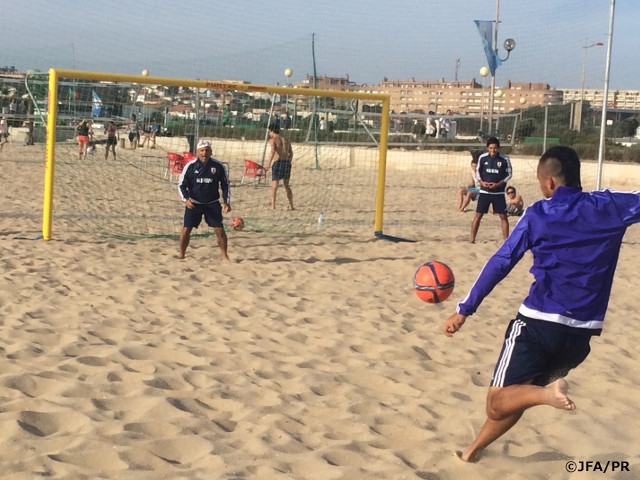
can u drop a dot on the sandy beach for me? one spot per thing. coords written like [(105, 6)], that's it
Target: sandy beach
[(305, 357)]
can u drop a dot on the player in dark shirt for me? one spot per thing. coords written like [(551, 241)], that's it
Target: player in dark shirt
[(493, 171), (200, 184)]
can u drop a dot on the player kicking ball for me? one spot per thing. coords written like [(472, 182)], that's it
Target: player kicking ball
[(575, 239)]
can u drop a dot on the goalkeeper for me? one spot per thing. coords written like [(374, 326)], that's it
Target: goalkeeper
[(200, 184)]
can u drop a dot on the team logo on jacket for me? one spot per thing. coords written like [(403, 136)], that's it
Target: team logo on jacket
[(499, 164), (213, 170)]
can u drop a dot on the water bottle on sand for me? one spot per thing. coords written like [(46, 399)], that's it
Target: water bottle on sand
[(320, 221)]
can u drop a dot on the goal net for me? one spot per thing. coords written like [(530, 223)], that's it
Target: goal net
[(337, 138)]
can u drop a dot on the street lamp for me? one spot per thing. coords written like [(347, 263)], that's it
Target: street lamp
[(484, 71), (287, 73), (584, 65), (498, 94), (522, 102)]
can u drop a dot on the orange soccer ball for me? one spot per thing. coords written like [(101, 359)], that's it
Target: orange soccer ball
[(237, 224), (433, 282)]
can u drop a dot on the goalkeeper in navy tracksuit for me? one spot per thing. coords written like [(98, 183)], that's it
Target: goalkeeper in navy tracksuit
[(575, 240), (200, 184), (493, 172)]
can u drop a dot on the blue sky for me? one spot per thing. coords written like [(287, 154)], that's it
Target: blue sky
[(368, 39)]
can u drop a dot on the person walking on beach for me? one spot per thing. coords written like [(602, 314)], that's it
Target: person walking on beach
[(134, 132), (282, 152), (575, 239), (85, 133), (4, 132), (494, 171), (112, 139), (199, 186)]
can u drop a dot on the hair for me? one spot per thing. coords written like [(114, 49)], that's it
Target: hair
[(511, 189), (493, 141), (274, 128), (562, 163), (475, 155)]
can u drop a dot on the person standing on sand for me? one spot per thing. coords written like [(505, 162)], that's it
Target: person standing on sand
[(4, 132), (494, 171), (575, 239), (112, 139), (282, 152), (134, 132), (85, 134), (200, 184)]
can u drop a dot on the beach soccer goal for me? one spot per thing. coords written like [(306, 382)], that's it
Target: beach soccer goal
[(339, 141)]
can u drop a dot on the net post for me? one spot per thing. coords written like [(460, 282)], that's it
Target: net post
[(52, 109), (382, 163)]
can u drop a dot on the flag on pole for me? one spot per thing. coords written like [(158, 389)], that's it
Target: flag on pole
[(485, 27), (97, 109)]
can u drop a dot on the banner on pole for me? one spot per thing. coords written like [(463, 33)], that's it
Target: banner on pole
[(485, 27)]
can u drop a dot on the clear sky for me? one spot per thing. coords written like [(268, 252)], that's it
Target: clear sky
[(256, 40)]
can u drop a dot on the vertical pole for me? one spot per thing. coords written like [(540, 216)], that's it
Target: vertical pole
[(52, 114), (603, 121), (197, 127), (546, 121), (493, 77), (382, 164)]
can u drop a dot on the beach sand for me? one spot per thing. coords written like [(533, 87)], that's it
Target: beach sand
[(304, 358)]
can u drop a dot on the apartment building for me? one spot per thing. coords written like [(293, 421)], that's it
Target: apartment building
[(622, 99)]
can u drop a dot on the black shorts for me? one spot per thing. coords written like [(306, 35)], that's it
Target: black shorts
[(497, 200), (112, 141), (281, 170), (539, 351), (134, 136), (212, 215)]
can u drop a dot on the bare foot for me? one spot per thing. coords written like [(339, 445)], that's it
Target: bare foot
[(557, 395), (469, 455), (225, 259), (290, 208)]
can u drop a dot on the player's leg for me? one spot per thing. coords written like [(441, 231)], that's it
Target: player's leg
[(185, 236), (460, 195), (272, 192), (504, 224), (192, 219), (287, 188), (499, 204), (221, 235), (213, 217), (484, 200), (505, 406)]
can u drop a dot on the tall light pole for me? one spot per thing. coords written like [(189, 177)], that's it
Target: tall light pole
[(584, 65), (509, 45), (484, 71), (287, 73)]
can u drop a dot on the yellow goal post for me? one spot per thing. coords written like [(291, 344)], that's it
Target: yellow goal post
[(53, 101)]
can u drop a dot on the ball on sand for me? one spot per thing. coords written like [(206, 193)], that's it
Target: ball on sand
[(433, 282), (145, 72), (237, 224)]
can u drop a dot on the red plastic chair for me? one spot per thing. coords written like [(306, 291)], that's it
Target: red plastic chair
[(175, 165), (253, 170), (188, 156)]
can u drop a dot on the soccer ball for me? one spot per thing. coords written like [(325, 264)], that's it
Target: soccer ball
[(145, 72), (433, 282), (237, 224)]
